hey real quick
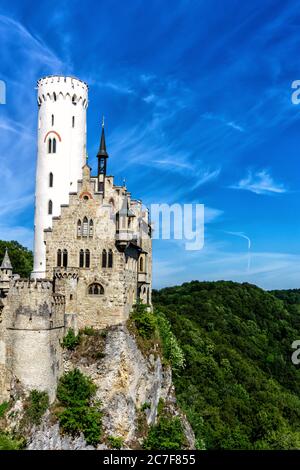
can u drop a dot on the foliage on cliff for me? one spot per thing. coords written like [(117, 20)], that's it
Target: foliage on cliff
[(75, 394), (21, 258), (239, 387)]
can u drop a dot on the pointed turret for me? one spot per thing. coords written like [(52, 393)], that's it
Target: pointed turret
[(102, 149), (6, 263), (102, 156)]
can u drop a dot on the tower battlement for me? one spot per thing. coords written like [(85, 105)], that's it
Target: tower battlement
[(32, 285), (54, 88)]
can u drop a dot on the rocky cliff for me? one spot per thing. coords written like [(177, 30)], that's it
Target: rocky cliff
[(131, 385)]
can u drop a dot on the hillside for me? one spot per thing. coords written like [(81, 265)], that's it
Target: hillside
[(239, 388)]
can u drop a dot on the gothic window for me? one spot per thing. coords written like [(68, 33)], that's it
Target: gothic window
[(50, 180), (73, 121), (65, 258), (85, 227), (58, 258), (54, 146), (50, 207), (79, 228), (91, 228), (141, 265), (110, 259), (95, 289), (87, 258), (104, 259), (52, 119), (81, 259), (49, 145)]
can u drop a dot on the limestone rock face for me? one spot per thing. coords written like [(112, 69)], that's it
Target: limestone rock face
[(130, 385), (126, 380)]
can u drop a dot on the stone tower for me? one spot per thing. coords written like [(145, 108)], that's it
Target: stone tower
[(62, 103)]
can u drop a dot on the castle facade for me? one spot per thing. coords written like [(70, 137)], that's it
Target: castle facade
[(92, 247)]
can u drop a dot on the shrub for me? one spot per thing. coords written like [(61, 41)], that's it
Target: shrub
[(87, 420), (144, 321), (166, 434), (3, 408), (89, 331), (35, 406), (74, 389), (145, 406), (71, 340), (115, 442), (75, 392), (171, 349), (8, 442)]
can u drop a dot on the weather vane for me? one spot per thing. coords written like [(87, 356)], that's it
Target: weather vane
[(103, 120)]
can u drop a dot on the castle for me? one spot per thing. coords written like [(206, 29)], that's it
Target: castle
[(92, 247)]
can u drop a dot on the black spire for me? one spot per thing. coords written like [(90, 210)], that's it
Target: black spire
[(102, 156), (102, 149)]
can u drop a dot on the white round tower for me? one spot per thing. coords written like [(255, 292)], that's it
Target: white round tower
[(62, 103)]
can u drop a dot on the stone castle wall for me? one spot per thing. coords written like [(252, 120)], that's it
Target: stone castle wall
[(31, 341)]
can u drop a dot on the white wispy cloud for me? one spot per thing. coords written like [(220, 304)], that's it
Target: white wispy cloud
[(260, 182), (221, 119)]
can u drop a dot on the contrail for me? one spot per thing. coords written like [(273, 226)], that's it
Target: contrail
[(242, 235)]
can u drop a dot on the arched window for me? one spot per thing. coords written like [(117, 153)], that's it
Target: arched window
[(49, 145), (54, 96), (87, 258), (85, 227), (104, 259), (73, 121), (141, 264), (52, 119), (65, 258), (54, 146), (81, 259), (50, 207), (58, 258), (91, 228), (79, 228), (110, 259), (74, 99), (50, 180), (95, 289)]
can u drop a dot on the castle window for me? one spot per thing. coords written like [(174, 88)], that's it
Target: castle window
[(65, 258), (54, 96), (104, 259), (81, 259), (110, 259), (58, 258), (79, 228), (74, 100), (141, 265), (91, 228), (54, 146), (87, 258), (49, 145), (52, 119), (85, 227), (73, 121), (50, 207), (50, 180), (95, 289)]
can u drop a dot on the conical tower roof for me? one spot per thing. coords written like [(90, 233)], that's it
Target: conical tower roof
[(6, 264), (102, 149)]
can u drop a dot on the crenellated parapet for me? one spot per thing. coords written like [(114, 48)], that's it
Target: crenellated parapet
[(55, 88)]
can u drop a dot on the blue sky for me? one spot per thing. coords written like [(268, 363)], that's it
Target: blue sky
[(197, 99)]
